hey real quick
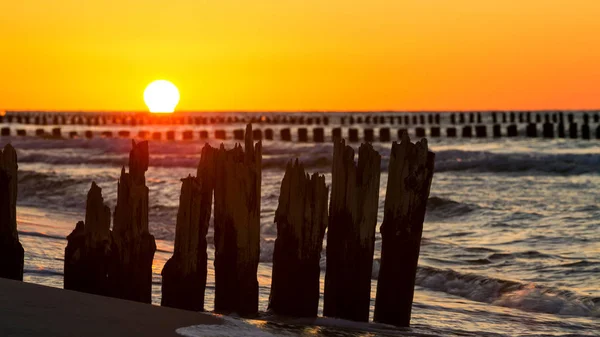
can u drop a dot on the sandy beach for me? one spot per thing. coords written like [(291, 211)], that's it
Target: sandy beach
[(30, 310)]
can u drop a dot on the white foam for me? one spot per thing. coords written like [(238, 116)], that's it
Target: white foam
[(231, 327)]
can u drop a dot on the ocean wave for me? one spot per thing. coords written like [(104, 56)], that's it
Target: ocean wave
[(445, 208), (482, 161), (505, 293), (318, 156), (41, 235)]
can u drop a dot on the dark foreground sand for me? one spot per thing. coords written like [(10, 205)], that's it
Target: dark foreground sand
[(38, 311)]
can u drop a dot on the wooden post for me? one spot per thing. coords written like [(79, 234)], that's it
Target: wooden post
[(301, 219), (133, 245), (88, 251), (409, 180), (184, 274), (11, 251), (351, 233), (237, 227)]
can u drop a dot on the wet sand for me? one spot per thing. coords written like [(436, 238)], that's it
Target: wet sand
[(33, 310)]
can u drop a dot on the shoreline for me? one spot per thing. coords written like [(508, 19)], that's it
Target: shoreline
[(32, 310)]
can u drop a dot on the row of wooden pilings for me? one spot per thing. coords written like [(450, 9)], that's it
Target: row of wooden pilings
[(91, 119), (547, 130), (118, 262), (373, 118)]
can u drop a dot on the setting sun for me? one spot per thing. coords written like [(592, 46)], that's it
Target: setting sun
[(161, 96)]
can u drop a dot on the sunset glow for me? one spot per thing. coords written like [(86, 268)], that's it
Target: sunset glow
[(302, 54)]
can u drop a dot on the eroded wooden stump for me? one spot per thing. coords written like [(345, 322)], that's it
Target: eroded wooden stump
[(301, 219), (237, 227), (11, 250), (351, 233), (184, 274), (409, 181), (133, 246), (88, 251)]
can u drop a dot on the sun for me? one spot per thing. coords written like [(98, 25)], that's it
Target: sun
[(161, 96)]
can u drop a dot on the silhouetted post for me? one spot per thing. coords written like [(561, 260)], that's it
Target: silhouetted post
[(301, 219), (420, 132), (467, 131), (21, 132), (497, 130), (124, 134), (451, 132), (573, 130), (435, 131), (88, 251), (184, 274), (156, 135), (171, 135), (401, 132), (353, 135), (480, 131), (220, 134), (384, 135), (237, 227), (336, 133), (318, 135), (409, 179), (548, 130), (561, 130), (531, 130), (303, 135), (511, 131), (453, 118), (203, 134), (585, 131), (133, 245), (351, 234), (269, 134), (285, 135), (11, 251), (369, 135), (187, 135)]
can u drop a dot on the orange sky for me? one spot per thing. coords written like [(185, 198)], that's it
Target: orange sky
[(301, 54)]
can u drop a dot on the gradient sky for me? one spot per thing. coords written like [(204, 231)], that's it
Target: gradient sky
[(301, 54)]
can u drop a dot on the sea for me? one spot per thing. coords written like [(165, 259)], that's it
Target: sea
[(511, 241)]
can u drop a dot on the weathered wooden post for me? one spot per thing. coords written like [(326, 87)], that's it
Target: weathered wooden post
[(11, 251), (88, 251), (133, 246), (351, 233), (409, 180), (184, 274), (237, 227), (301, 219)]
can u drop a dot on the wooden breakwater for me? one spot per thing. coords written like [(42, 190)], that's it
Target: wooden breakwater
[(307, 127), (118, 262)]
